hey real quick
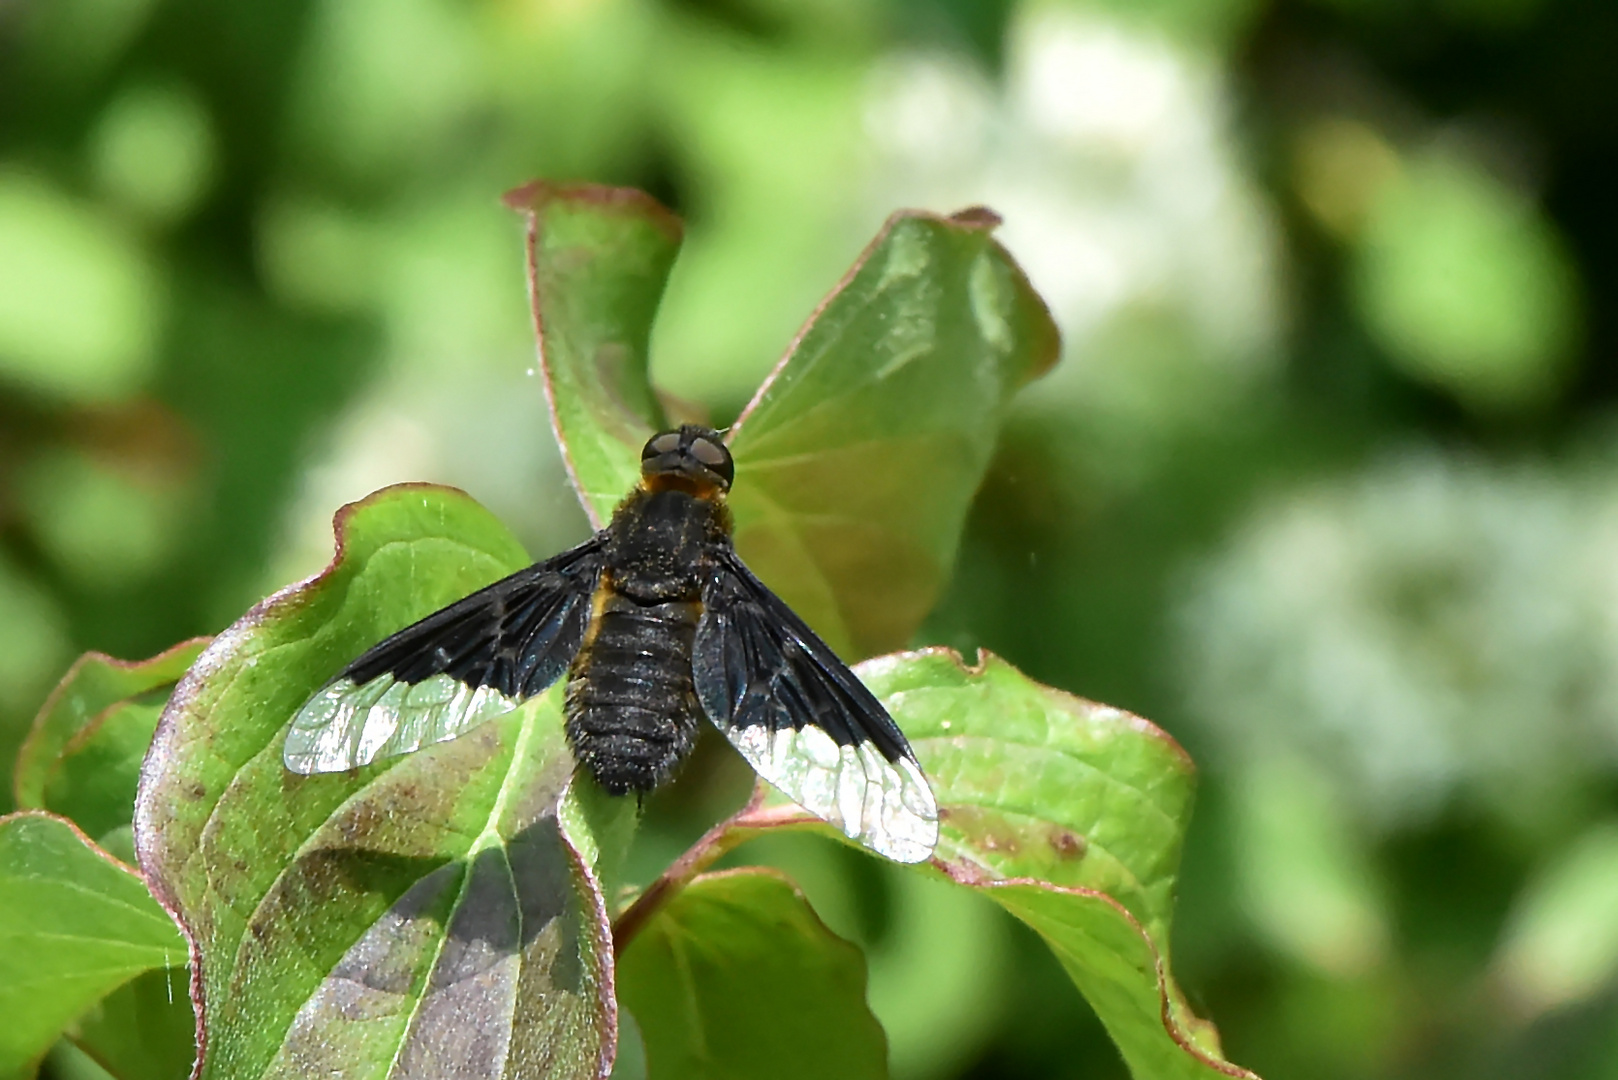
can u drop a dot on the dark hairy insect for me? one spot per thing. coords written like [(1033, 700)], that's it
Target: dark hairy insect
[(656, 622)]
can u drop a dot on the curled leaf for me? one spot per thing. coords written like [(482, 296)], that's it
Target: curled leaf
[(858, 458), (598, 258), (434, 915), (1069, 814), (82, 718)]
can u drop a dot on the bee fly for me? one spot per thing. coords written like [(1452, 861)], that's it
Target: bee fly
[(657, 622)]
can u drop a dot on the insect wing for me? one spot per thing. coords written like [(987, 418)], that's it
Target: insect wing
[(804, 721), (470, 662)]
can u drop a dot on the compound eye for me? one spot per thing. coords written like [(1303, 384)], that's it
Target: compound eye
[(666, 443), (714, 456), (708, 452)]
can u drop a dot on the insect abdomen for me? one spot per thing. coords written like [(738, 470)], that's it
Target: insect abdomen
[(631, 709)]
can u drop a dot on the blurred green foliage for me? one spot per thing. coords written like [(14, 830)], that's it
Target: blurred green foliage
[(1324, 484)]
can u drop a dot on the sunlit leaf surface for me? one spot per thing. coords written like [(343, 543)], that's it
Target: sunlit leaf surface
[(1041, 784), (856, 462), (1069, 814), (74, 925), (94, 784), (597, 261), (1072, 816), (433, 915), (82, 724), (737, 978)]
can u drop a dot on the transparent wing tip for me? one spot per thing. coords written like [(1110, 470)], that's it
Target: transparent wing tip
[(885, 806), (346, 725)]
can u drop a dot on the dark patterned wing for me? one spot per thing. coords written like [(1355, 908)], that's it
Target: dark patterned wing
[(474, 660), (804, 720)]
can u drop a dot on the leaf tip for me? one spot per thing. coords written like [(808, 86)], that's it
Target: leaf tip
[(533, 198), (1045, 348), (977, 217)]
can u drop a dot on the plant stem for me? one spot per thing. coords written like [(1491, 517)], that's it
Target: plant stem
[(717, 842)]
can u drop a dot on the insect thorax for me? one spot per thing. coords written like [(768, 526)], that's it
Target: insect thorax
[(658, 543)]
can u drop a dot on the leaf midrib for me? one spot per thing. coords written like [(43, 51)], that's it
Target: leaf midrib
[(228, 690), (488, 837)]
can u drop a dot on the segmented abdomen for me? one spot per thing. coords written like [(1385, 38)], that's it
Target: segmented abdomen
[(631, 709)]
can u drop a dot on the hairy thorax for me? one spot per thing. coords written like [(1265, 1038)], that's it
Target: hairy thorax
[(658, 541), (632, 710)]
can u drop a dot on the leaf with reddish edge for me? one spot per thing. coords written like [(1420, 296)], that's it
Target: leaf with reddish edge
[(94, 781), (95, 688), (858, 458), (1040, 784), (75, 923), (436, 914), (598, 258), (1069, 814), (737, 977), (1123, 973)]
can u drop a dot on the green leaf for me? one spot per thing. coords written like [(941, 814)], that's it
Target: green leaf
[(144, 1030), (94, 783), (736, 977), (1069, 814), (74, 924), (598, 258), (1123, 973), (436, 914), (1042, 784), (859, 456), (74, 720)]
